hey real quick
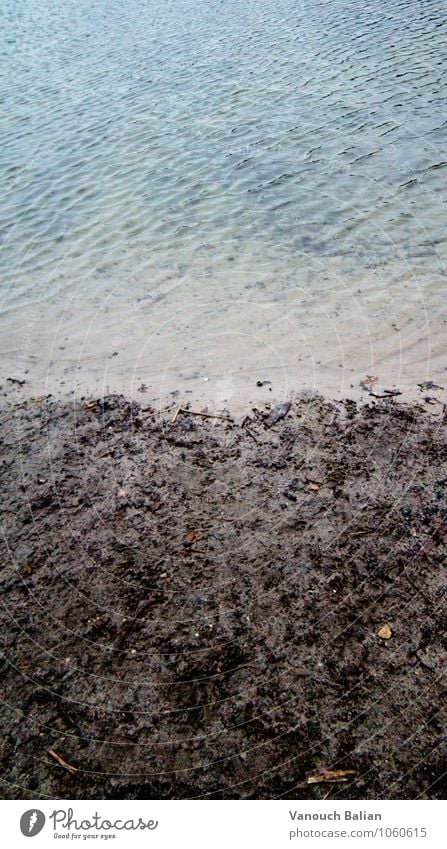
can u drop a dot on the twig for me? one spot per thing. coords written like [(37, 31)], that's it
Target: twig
[(61, 761), (202, 415), (178, 410), (331, 776), (250, 433), (391, 394), (359, 533)]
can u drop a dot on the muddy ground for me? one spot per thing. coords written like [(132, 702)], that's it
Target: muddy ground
[(192, 608)]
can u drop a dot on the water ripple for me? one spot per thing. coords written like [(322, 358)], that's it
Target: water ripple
[(133, 139)]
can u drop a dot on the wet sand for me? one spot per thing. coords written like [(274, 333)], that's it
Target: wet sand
[(210, 339), (222, 608)]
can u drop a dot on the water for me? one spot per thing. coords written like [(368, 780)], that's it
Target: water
[(197, 195)]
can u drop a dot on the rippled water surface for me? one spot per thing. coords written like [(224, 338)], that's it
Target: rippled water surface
[(201, 193)]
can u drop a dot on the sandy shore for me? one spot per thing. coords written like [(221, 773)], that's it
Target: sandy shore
[(209, 340), (223, 608)]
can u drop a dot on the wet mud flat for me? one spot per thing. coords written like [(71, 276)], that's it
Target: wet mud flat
[(222, 608)]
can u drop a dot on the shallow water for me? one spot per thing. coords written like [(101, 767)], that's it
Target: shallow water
[(200, 195)]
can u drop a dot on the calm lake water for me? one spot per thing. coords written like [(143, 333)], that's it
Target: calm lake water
[(198, 194)]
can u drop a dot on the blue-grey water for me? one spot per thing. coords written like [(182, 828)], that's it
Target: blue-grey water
[(200, 193)]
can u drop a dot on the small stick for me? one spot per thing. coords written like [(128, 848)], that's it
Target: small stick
[(331, 776), (202, 415), (358, 533), (174, 418), (61, 761), (390, 394), (250, 433)]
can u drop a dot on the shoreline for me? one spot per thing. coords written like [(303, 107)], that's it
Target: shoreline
[(223, 609), (324, 334), (237, 394)]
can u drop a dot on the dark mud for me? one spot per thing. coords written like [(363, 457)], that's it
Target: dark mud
[(192, 609)]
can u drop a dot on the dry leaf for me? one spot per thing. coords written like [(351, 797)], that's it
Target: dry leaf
[(333, 776), (384, 632)]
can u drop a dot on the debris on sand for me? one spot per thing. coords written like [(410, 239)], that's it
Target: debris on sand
[(208, 601), (17, 380), (278, 413), (428, 385), (369, 381)]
